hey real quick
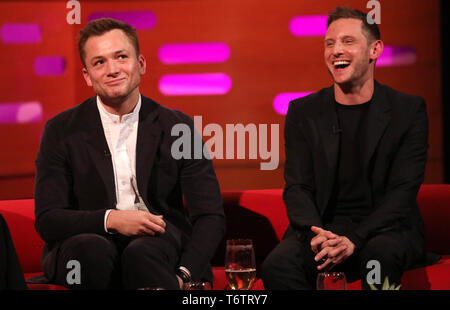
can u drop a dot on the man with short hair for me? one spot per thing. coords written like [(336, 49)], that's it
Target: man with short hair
[(109, 194), (355, 160)]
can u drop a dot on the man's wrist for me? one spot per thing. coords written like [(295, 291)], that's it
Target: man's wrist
[(109, 221)]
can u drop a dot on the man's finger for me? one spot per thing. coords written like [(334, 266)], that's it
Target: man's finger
[(157, 219), (327, 265), (316, 243), (331, 242), (322, 254), (154, 227), (316, 230), (318, 240), (337, 251)]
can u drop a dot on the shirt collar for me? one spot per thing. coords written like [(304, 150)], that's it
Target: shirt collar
[(134, 115)]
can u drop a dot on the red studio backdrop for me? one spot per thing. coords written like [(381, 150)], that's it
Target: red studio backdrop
[(223, 61)]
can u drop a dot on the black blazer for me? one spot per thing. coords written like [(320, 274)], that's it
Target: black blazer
[(395, 153), (75, 183)]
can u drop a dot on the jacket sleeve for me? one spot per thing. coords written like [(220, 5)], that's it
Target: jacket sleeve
[(205, 208), (300, 188), (56, 217), (405, 177)]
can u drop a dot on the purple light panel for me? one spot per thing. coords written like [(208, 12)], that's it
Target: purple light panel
[(49, 65), (397, 56), (184, 53), (20, 33), (306, 26), (281, 101), (195, 84), (19, 113), (142, 20)]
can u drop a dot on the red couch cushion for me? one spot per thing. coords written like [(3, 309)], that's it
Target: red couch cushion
[(19, 215), (434, 205)]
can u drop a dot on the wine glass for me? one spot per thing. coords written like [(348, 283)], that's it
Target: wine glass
[(240, 267), (331, 281)]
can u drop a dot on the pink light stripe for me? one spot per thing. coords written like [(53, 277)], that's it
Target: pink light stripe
[(183, 53), (20, 33), (306, 26), (195, 84), (49, 65), (397, 56), (22, 112), (281, 101)]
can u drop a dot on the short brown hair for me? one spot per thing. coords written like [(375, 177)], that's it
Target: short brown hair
[(371, 31), (100, 26)]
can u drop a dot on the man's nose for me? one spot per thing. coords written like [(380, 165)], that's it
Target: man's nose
[(112, 68), (337, 48)]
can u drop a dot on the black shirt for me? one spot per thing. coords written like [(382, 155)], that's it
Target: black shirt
[(351, 198)]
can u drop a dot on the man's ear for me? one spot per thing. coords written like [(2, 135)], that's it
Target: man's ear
[(142, 64), (86, 77), (376, 49)]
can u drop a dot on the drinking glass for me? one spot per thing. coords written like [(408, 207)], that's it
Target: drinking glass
[(240, 267), (331, 281)]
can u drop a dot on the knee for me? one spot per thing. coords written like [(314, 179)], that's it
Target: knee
[(86, 261), (382, 249), (269, 265), (88, 248), (142, 250)]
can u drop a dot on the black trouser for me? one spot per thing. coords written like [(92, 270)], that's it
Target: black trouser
[(117, 262), (11, 275), (291, 264)]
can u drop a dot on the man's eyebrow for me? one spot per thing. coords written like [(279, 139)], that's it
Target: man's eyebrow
[(348, 37), (115, 53)]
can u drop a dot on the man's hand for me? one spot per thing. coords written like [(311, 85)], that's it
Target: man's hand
[(180, 282), (334, 252), (134, 222), (322, 236)]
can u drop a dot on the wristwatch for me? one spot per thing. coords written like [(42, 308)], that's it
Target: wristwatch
[(184, 274)]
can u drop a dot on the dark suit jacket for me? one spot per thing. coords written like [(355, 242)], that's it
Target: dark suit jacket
[(75, 183), (395, 153)]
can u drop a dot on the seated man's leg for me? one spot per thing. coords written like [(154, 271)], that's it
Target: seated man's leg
[(390, 251), (150, 261), (97, 257), (290, 265)]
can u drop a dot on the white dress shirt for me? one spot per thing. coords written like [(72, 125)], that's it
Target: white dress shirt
[(121, 135)]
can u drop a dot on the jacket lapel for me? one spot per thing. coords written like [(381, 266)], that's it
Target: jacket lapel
[(327, 124), (148, 137), (98, 148), (378, 117)]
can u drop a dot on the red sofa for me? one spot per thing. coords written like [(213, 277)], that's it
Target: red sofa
[(261, 216)]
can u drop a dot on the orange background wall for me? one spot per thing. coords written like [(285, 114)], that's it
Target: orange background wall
[(266, 59)]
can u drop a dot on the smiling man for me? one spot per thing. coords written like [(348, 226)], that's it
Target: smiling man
[(109, 194), (355, 160)]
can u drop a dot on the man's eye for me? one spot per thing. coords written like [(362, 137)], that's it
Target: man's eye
[(329, 44), (122, 56), (98, 62)]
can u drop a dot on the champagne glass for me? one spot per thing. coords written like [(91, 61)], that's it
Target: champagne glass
[(240, 267), (331, 281)]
